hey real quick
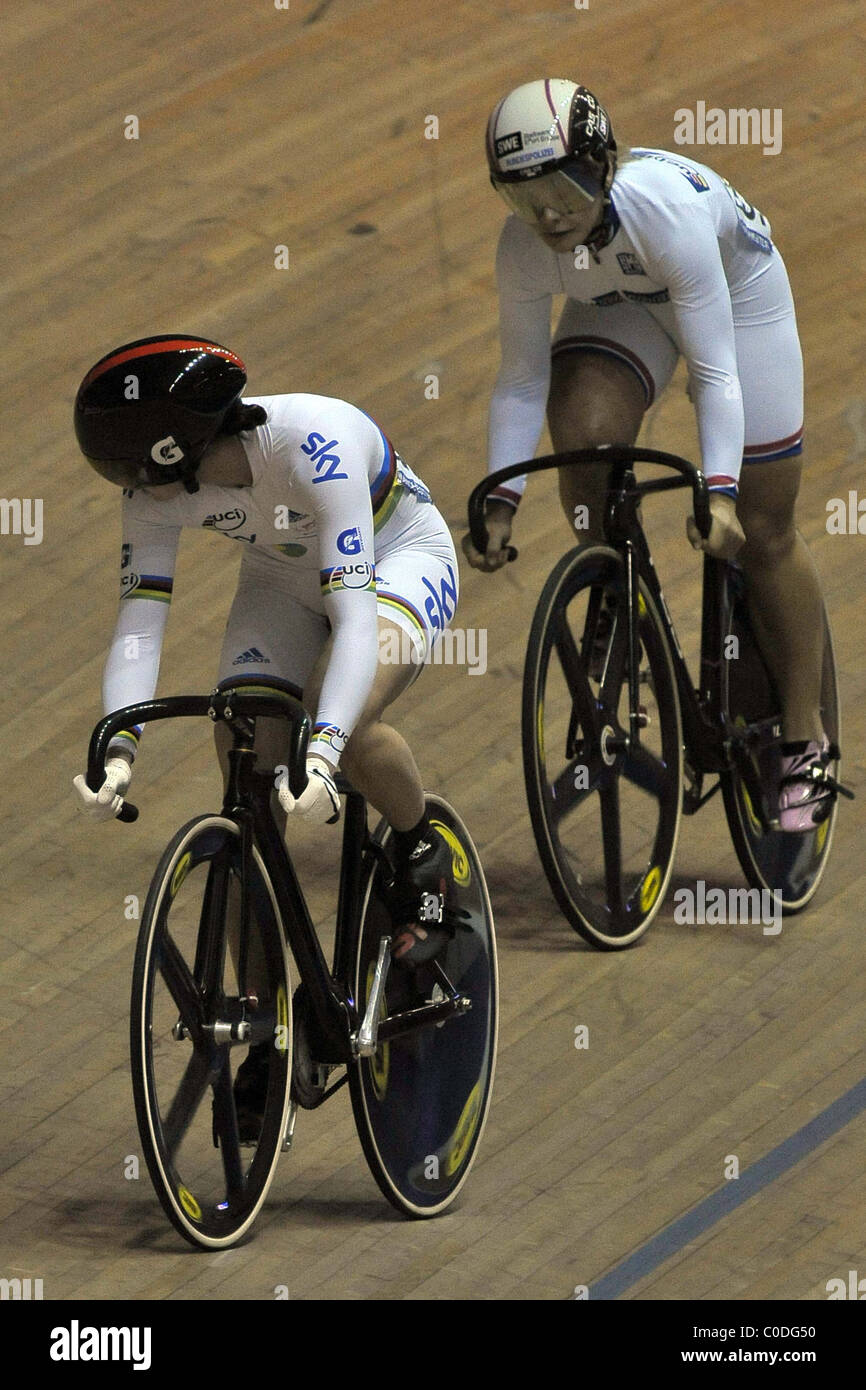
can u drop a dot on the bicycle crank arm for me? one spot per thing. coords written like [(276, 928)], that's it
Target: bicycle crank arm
[(437, 1013), (365, 1041)]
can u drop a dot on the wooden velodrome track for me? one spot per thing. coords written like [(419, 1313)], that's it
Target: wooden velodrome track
[(262, 127)]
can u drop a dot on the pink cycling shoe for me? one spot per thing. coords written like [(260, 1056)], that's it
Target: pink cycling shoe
[(806, 789)]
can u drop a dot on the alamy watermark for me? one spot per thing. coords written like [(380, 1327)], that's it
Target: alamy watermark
[(22, 516), (454, 646), (855, 1288), (736, 126), (846, 517), (20, 1289), (736, 905), (77, 1343)]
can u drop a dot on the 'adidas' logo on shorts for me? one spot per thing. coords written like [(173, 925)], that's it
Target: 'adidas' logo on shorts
[(252, 655)]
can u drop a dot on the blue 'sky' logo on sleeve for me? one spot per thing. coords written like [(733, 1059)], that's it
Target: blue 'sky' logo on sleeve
[(318, 449)]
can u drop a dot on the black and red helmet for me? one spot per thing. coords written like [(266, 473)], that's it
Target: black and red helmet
[(148, 410)]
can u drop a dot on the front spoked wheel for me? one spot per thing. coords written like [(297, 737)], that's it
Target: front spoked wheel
[(787, 864), (421, 1100), (605, 804), (211, 992)]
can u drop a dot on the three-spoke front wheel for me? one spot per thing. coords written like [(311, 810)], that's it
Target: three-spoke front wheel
[(210, 989), (603, 787)]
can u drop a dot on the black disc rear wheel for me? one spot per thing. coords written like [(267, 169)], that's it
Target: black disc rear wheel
[(788, 864), (421, 1100)]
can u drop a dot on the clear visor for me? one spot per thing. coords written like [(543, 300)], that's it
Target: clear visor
[(565, 193)]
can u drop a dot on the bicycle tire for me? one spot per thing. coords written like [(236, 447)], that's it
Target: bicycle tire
[(613, 910), (421, 1102), (184, 970)]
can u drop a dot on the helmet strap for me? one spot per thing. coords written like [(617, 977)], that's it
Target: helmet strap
[(603, 231)]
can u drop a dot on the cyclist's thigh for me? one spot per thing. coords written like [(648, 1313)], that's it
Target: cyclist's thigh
[(770, 367), (608, 364), (417, 588), (274, 634)]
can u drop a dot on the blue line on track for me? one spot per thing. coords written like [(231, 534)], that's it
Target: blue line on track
[(735, 1192)]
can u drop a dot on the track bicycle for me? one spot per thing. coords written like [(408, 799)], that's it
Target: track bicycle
[(618, 740), (211, 981)]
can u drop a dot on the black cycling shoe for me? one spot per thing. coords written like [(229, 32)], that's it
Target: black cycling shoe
[(419, 901)]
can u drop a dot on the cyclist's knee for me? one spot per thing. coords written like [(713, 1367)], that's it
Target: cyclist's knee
[(593, 400), (766, 510), (361, 747), (769, 539)]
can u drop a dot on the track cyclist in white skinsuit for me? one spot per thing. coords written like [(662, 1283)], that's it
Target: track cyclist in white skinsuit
[(657, 255), (343, 550)]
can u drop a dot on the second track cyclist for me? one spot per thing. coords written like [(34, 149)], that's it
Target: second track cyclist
[(658, 256)]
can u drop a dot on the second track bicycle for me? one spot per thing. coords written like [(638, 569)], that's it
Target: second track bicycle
[(618, 740)]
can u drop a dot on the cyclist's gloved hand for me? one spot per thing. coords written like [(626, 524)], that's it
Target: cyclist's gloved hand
[(726, 534), (105, 803), (498, 519), (319, 802)]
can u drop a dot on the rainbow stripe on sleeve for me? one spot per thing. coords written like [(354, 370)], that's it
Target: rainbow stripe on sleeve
[(333, 579), (127, 738), (155, 587)]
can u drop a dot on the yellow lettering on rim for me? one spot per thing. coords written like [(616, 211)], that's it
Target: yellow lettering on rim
[(466, 1127), (650, 888), (459, 858), (183, 867), (189, 1204)]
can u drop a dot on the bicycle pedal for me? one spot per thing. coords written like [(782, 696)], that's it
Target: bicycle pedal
[(438, 996)]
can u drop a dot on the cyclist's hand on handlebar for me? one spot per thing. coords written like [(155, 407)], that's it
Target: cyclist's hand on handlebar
[(498, 519), (319, 802), (726, 534), (107, 802)]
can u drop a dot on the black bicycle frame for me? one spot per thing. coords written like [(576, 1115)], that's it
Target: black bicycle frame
[(247, 801), (705, 734)]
